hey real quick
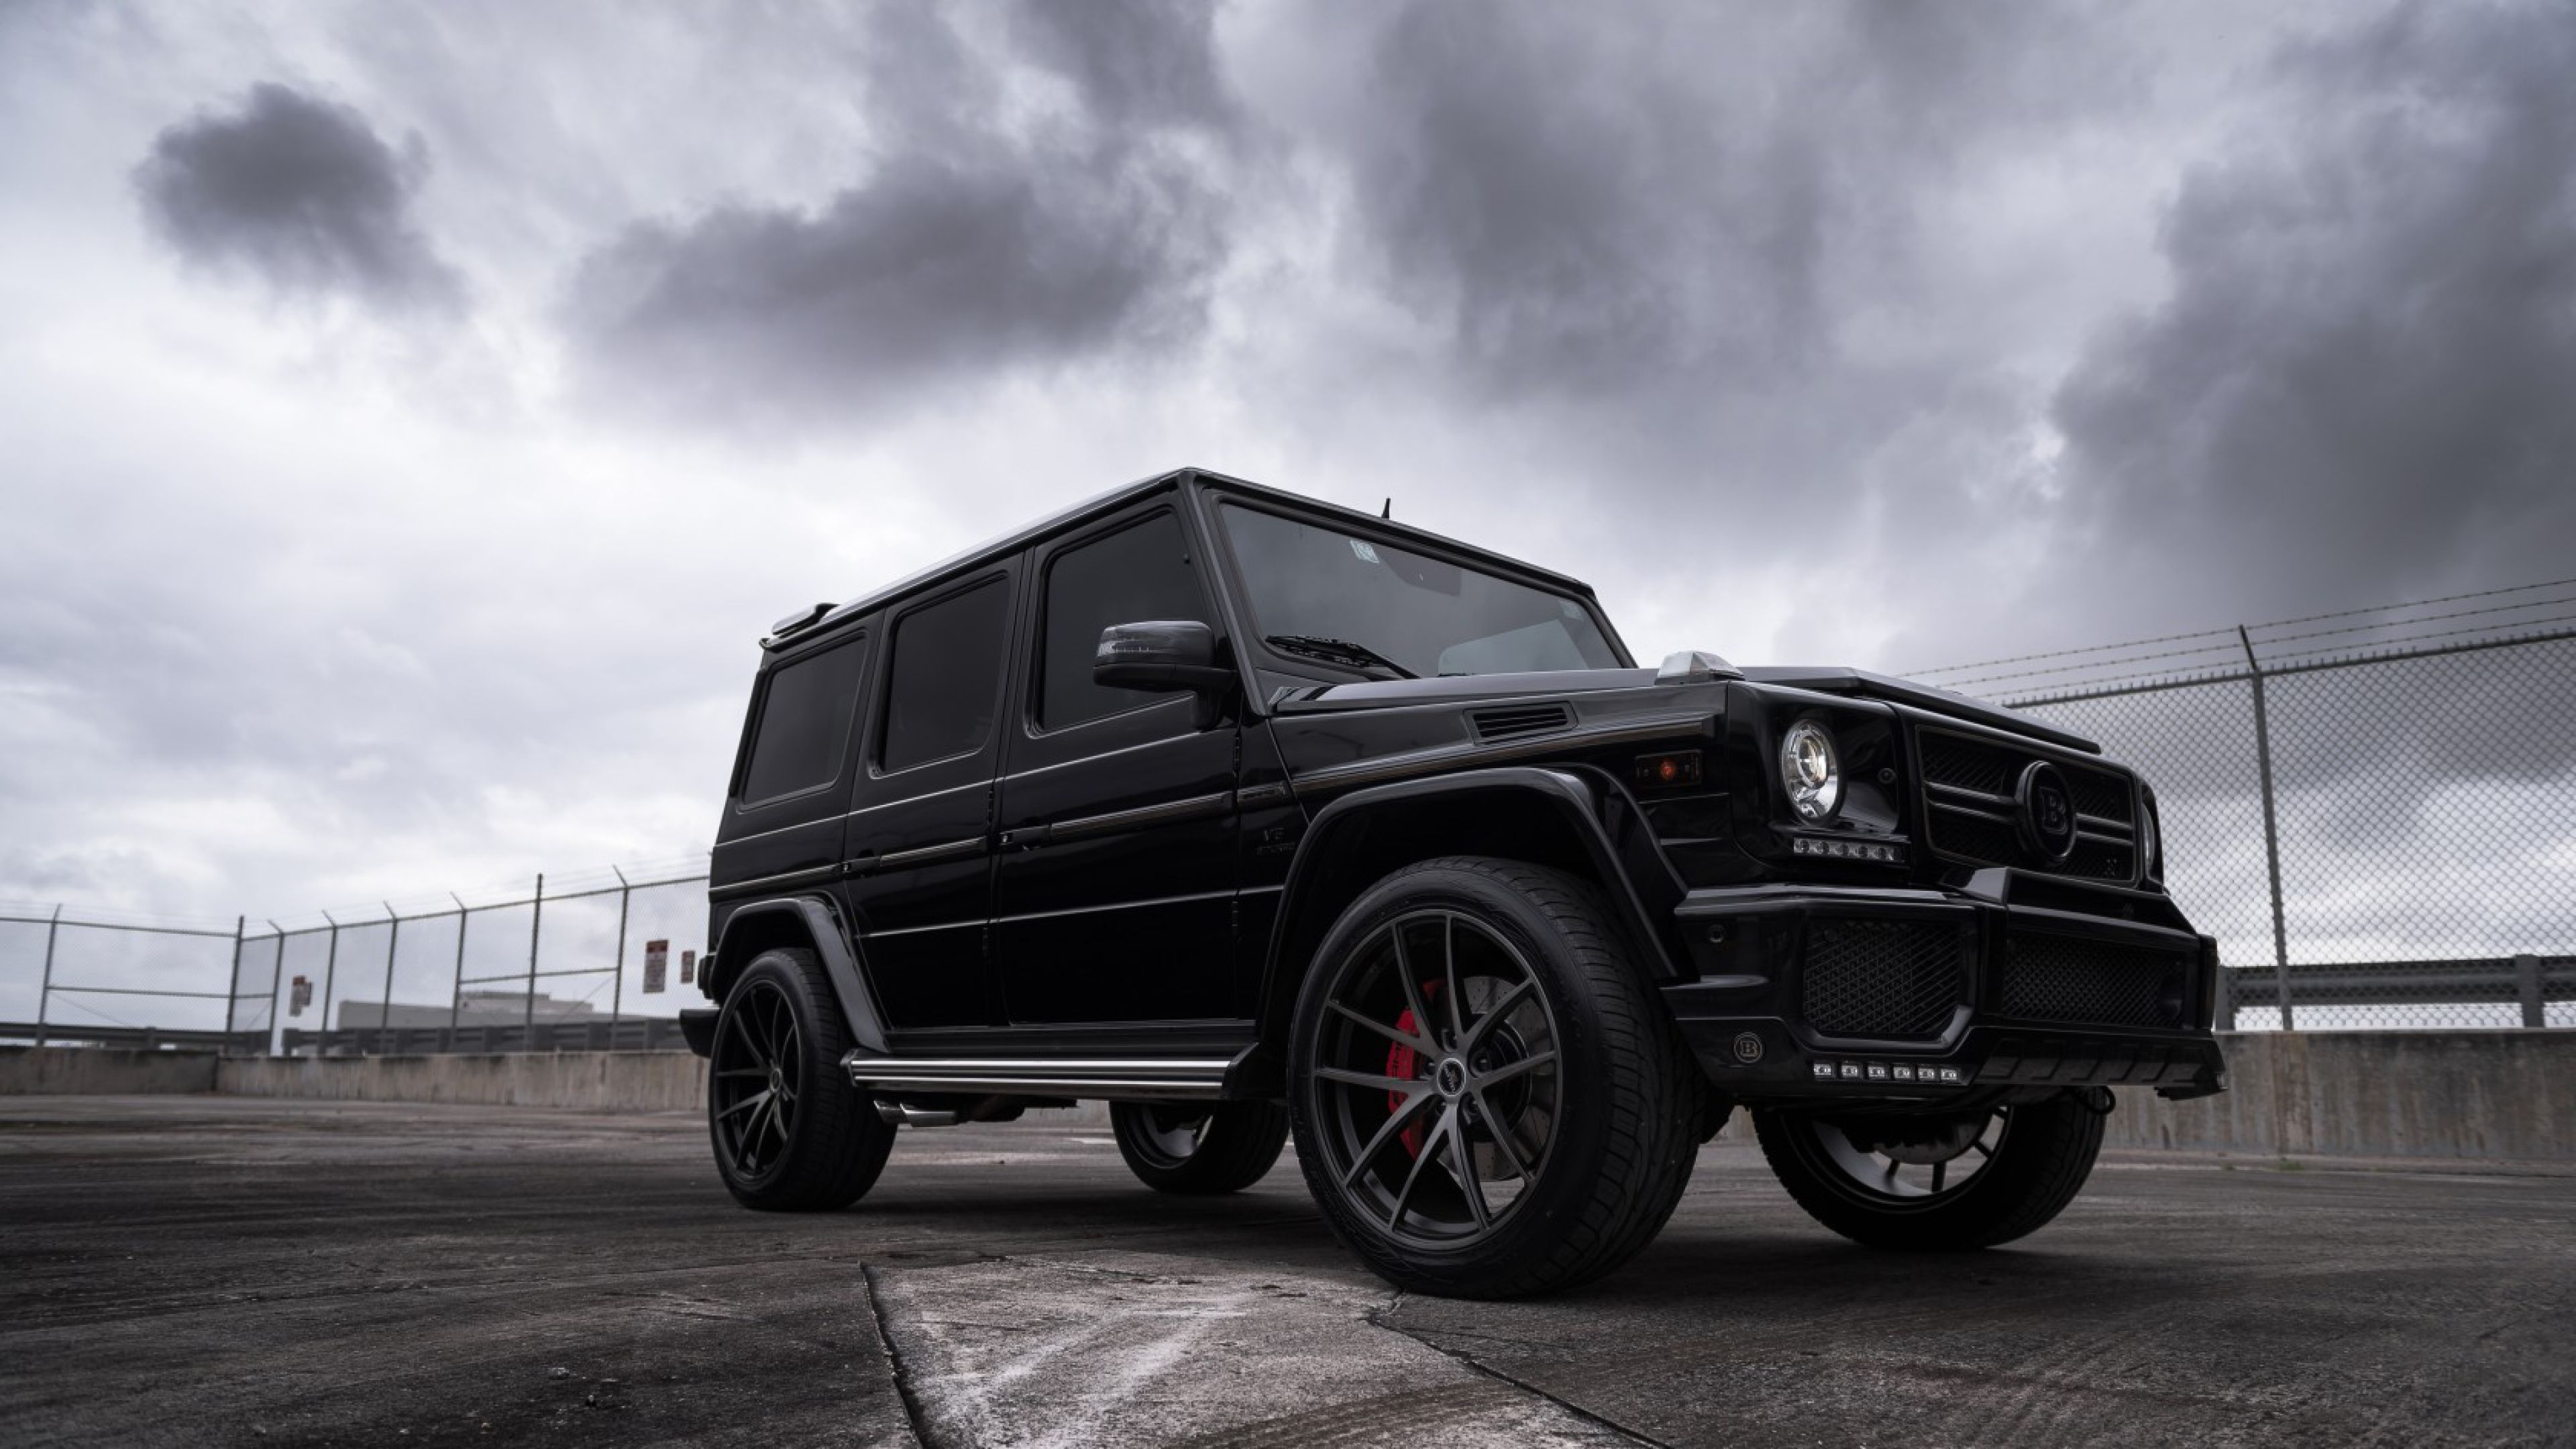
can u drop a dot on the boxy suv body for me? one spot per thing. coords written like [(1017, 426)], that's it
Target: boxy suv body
[(1251, 815)]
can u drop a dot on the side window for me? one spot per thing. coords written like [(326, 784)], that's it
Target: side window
[(1140, 572), (946, 672), (804, 732)]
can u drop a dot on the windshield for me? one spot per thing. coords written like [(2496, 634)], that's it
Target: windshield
[(1319, 594)]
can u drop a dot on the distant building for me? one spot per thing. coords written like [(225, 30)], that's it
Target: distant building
[(473, 1008)]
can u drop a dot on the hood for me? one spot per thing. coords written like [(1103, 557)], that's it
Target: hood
[(1826, 679), (1862, 684)]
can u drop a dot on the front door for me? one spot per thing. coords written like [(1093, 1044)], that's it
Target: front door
[(1114, 888), (918, 844)]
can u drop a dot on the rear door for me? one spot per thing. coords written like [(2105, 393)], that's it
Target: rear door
[(918, 844), (791, 782), (1114, 887)]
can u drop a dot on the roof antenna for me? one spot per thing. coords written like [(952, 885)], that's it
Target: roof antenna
[(1388, 512)]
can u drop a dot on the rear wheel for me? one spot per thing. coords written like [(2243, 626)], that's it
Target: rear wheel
[(1487, 1102), (1199, 1147), (790, 1132), (1934, 1184)]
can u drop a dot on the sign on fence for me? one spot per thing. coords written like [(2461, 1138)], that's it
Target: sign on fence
[(688, 967), (299, 996), (657, 962)]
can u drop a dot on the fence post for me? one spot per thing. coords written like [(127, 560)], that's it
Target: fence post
[(456, 993), (232, 983), (385, 1012), (536, 921), (2526, 984), (617, 991), (2271, 832), (45, 995), (330, 973), (276, 984)]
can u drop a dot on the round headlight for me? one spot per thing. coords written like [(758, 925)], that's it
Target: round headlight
[(1811, 770)]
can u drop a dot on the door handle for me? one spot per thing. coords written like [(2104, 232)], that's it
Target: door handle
[(1024, 837)]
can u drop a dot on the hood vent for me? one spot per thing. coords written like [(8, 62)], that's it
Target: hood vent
[(1518, 721)]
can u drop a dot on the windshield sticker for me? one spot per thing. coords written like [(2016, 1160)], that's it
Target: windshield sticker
[(1366, 553)]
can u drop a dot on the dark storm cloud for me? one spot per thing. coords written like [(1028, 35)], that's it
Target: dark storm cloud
[(2364, 382), (1587, 201), (966, 250), (301, 194)]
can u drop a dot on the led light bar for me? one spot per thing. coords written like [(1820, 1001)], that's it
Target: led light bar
[(1906, 1073), (1840, 849)]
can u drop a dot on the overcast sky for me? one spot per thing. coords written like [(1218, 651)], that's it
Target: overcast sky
[(411, 416)]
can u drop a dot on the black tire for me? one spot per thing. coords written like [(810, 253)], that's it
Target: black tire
[(790, 1133), (1602, 1132), (2041, 1154), (1199, 1148)]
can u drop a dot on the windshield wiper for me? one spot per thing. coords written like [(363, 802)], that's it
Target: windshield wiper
[(1337, 651)]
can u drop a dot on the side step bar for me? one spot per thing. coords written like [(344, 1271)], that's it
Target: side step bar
[(1129, 1079)]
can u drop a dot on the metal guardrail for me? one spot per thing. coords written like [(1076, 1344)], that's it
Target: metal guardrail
[(142, 1038), (635, 1033), (2530, 982)]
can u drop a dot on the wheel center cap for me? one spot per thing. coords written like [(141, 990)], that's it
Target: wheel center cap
[(1450, 1076), (777, 1078)]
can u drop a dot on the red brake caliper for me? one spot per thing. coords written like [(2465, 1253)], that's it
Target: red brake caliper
[(1400, 1064)]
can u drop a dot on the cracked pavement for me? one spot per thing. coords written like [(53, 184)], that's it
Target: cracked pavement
[(208, 1270)]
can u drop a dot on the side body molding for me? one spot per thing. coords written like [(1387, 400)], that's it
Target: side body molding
[(840, 962), (1592, 809)]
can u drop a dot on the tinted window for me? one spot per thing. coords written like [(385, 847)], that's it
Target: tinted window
[(1308, 583), (947, 666), (1134, 575), (804, 723)]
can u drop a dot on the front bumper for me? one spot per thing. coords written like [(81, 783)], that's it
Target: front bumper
[(1822, 993)]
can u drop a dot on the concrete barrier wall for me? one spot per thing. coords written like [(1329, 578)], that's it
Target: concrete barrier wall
[(2466, 1094), (580, 1081), (102, 1071), (2457, 1094)]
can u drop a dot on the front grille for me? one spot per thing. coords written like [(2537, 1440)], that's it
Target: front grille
[(1512, 722), (1970, 788), (2092, 983), (1886, 980)]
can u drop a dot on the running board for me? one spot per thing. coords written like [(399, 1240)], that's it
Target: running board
[(1128, 1079)]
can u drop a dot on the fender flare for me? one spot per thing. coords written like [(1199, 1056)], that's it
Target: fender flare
[(1581, 803), (840, 961)]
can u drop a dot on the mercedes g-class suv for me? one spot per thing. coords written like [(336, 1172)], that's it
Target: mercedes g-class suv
[(1250, 815)]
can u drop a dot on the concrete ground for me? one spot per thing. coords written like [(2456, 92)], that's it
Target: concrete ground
[(202, 1270)]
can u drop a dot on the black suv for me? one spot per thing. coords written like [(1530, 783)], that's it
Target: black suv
[(1252, 815)]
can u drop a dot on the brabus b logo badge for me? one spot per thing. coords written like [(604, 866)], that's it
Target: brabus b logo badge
[(2047, 814)]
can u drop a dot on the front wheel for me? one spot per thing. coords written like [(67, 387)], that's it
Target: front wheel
[(1487, 1101), (1935, 1183), (791, 1133), (1196, 1148)]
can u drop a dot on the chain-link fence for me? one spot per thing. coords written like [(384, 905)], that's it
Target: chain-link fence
[(2373, 811), (579, 963)]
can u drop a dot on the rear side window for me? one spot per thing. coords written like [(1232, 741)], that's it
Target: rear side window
[(805, 715), (947, 669), (1139, 573)]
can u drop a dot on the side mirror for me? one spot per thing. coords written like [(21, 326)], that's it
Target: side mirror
[(1165, 654)]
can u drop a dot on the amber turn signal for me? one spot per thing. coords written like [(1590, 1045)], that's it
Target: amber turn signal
[(1681, 767)]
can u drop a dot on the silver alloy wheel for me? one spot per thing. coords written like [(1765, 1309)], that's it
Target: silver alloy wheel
[(758, 1059), (1914, 1172), (1436, 1078)]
